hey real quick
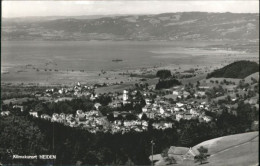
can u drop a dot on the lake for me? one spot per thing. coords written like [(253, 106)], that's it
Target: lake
[(21, 59), (97, 55)]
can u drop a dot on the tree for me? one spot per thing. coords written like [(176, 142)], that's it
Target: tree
[(186, 138), (202, 157), (163, 74), (167, 158), (144, 117), (164, 84), (198, 84), (129, 162)]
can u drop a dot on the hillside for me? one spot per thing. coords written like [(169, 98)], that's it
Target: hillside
[(249, 78), (239, 69), (239, 149), (167, 26), (232, 150)]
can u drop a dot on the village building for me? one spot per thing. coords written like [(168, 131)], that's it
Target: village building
[(19, 107), (207, 118), (34, 114), (97, 105), (5, 113), (182, 153)]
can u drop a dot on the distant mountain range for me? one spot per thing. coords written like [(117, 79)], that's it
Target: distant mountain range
[(168, 26)]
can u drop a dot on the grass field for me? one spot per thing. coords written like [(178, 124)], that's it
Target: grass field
[(221, 143), (254, 75), (233, 150)]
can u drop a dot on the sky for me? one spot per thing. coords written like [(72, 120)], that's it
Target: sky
[(115, 7)]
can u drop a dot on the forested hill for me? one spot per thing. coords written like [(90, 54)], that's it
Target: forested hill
[(167, 26), (238, 69)]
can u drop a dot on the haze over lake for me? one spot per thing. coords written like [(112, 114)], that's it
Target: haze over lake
[(98, 55)]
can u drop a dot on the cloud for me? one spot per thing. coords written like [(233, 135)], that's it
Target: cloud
[(100, 7)]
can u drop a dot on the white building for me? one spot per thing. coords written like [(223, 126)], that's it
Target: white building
[(148, 101), (207, 118), (179, 117), (175, 92), (34, 114), (161, 110), (5, 113), (179, 105), (125, 95), (97, 105)]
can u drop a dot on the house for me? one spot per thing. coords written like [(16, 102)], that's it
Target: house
[(176, 109), (207, 118), (234, 99), (78, 112), (128, 123), (179, 105), (49, 90), (148, 101), (18, 106), (92, 97), (203, 88), (5, 113), (126, 102), (191, 154), (78, 84), (134, 93), (182, 153), (34, 114), (45, 116), (37, 94), (80, 115), (200, 94), (253, 101), (125, 95), (115, 104), (175, 92), (150, 115), (186, 94), (92, 113), (194, 112), (177, 153), (144, 123), (97, 105), (179, 117), (55, 117), (62, 116), (161, 110), (203, 103), (146, 109), (157, 125), (168, 125), (140, 115), (116, 114), (187, 116), (60, 91)]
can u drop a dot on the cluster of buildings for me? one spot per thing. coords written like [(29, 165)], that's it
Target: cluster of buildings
[(129, 125), (78, 90), (186, 105), (180, 110), (92, 120)]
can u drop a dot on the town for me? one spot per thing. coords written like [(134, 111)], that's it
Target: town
[(142, 106)]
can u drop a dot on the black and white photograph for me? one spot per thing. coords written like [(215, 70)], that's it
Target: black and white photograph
[(129, 83)]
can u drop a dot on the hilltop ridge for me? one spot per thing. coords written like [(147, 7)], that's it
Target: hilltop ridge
[(166, 26), (238, 69)]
